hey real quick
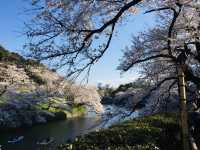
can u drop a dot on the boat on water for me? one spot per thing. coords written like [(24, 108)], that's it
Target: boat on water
[(46, 141), (16, 140)]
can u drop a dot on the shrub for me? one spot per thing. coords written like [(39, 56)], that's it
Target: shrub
[(31, 62), (3, 53), (148, 133)]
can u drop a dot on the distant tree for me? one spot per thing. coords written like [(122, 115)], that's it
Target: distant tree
[(99, 86)]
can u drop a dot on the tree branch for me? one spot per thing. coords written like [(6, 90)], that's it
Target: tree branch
[(147, 59), (142, 103), (175, 16)]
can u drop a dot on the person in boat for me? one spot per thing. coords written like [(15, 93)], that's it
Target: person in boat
[(46, 141), (17, 139)]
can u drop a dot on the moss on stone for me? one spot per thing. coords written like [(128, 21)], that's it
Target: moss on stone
[(78, 109), (3, 100), (52, 105)]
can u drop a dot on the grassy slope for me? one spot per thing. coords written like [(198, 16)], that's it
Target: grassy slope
[(149, 133)]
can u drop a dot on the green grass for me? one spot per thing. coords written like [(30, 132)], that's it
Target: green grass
[(149, 133)]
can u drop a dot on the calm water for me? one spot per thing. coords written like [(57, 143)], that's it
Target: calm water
[(60, 131)]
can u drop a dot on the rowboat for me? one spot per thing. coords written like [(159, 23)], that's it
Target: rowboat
[(46, 141), (16, 140)]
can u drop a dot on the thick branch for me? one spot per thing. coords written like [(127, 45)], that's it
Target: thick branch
[(147, 59), (175, 16), (114, 19), (142, 103)]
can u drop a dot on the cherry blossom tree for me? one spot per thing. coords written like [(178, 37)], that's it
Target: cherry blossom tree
[(76, 34)]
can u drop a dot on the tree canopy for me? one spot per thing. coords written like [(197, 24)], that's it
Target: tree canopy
[(174, 40), (75, 33)]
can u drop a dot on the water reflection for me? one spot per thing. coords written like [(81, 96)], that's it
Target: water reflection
[(60, 131)]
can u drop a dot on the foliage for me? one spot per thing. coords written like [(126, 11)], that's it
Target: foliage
[(87, 30), (36, 78), (174, 40), (140, 83), (86, 35), (13, 57), (78, 109), (31, 62), (24, 89), (5, 55), (52, 105), (148, 133), (106, 90), (3, 100)]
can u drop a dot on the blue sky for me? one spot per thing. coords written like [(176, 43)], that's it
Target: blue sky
[(11, 26)]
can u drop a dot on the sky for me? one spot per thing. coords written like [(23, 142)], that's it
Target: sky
[(12, 38)]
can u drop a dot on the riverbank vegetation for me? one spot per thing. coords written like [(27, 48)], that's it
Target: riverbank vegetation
[(31, 93), (155, 132)]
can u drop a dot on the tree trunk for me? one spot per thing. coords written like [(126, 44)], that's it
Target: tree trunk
[(183, 108)]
